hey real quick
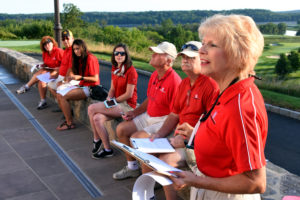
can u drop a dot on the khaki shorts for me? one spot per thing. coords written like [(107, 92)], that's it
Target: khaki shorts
[(125, 107), (149, 124), (53, 84), (203, 194)]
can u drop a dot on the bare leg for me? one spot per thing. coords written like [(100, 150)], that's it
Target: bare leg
[(34, 78), (124, 132), (42, 89), (75, 94)]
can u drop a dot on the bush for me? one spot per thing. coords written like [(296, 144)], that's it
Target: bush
[(283, 66)]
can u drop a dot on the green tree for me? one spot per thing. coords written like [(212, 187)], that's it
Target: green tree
[(283, 66), (281, 28), (294, 59), (71, 17)]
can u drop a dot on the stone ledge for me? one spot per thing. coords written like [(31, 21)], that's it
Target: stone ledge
[(283, 111)]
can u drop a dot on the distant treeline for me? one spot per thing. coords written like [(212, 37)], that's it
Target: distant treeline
[(157, 17)]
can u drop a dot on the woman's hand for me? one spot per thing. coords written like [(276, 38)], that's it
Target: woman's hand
[(184, 129), (183, 179), (177, 141)]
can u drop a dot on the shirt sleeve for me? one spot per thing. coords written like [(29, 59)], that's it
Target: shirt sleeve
[(132, 76)]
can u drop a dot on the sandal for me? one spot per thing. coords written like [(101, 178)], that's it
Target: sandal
[(65, 126)]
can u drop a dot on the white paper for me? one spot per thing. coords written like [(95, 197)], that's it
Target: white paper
[(45, 77), (144, 186), (73, 82), (153, 162), (65, 88), (158, 145)]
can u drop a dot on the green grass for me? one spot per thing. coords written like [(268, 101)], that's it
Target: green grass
[(274, 91), (16, 43), (281, 100)]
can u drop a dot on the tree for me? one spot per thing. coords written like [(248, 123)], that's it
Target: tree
[(294, 59), (282, 67), (281, 28), (71, 17)]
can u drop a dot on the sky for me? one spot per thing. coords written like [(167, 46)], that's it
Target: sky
[(47, 6)]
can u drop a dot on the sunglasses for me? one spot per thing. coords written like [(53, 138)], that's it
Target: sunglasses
[(65, 38), (46, 42), (121, 53), (191, 46)]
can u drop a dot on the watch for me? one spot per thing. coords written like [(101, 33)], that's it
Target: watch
[(82, 78)]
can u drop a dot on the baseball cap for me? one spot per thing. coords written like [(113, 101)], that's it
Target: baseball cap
[(190, 49), (165, 47), (66, 33)]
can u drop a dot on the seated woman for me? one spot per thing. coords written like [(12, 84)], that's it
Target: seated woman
[(52, 57), (123, 89), (85, 68)]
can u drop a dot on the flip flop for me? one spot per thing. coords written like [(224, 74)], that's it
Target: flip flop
[(65, 126)]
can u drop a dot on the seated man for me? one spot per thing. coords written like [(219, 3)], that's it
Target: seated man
[(66, 63), (150, 115), (195, 95)]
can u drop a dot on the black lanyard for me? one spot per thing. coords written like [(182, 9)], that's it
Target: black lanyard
[(206, 115)]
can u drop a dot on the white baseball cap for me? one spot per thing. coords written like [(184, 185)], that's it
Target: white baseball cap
[(190, 49), (165, 47)]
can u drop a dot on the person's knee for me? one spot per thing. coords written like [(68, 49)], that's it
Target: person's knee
[(99, 118), (91, 110)]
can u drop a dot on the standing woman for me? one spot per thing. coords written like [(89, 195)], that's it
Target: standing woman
[(123, 89), (85, 68), (230, 142), (52, 57)]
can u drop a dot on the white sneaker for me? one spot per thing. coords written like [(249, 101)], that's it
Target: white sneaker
[(22, 90), (42, 105), (126, 173)]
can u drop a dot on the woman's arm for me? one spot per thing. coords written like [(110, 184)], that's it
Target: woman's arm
[(249, 182), (111, 92), (128, 94)]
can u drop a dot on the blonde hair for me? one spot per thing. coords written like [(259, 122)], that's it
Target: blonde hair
[(239, 37)]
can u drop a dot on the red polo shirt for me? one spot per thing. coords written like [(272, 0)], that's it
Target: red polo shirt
[(161, 93), (232, 140), (191, 101), (92, 68), (66, 62), (53, 59), (120, 84)]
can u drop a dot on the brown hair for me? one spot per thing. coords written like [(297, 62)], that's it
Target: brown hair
[(83, 57), (44, 40), (127, 62)]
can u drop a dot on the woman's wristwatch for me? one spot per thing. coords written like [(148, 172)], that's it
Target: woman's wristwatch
[(82, 78)]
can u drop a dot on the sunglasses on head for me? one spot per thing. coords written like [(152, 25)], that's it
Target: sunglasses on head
[(191, 46), (46, 42), (65, 38), (121, 53)]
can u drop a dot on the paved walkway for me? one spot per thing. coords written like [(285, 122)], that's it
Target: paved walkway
[(39, 163)]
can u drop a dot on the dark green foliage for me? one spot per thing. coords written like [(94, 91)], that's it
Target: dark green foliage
[(283, 66), (294, 59), (271, 28), (298, 33)]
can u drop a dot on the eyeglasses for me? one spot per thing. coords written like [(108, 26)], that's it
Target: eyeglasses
[(121, 53), (191, 46), (65, 38)]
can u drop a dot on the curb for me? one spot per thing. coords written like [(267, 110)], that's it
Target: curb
[(283, 111)]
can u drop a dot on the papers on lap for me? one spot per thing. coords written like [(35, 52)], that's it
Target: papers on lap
[(45, 77), (159, 145), (151, 161)]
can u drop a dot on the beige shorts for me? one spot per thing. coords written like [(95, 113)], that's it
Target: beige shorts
[(53, 84), (149, 124), (203, 194), (125, 107)]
